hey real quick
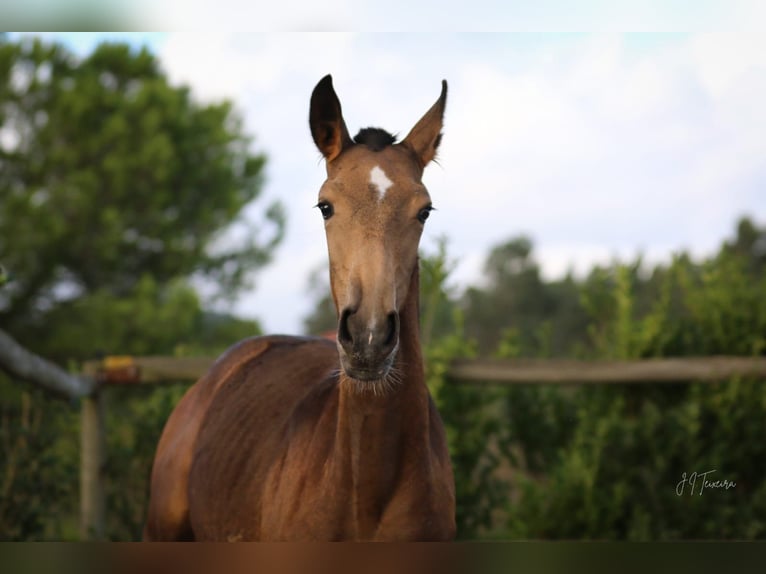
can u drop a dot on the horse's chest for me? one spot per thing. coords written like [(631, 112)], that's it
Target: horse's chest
[(329, 506)]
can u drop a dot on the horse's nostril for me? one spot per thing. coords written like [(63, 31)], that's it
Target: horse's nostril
[(393, 330), (344, 333)]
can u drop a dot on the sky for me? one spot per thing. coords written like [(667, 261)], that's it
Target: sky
[(390, 16), (598, 146)]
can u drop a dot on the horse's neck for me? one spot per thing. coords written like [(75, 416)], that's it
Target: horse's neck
[(376, 433), (409, 361)]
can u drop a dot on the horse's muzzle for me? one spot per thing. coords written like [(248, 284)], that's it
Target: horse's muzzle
[(367, 348)]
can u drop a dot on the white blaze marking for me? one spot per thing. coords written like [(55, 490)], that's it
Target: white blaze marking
[(379, 179)]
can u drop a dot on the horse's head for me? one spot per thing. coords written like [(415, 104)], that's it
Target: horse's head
[(374, 205)]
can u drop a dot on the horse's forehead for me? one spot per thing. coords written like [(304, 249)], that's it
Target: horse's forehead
[(384, 171)]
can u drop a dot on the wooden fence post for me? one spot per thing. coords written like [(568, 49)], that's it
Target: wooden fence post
[(92, 463)]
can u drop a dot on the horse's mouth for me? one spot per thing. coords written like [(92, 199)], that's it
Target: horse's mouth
[(365, 370)]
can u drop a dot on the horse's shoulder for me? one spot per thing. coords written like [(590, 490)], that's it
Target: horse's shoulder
[(264, 378), (287, 357)]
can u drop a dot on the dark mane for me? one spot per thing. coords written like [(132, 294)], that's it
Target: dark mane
[(374, 138)]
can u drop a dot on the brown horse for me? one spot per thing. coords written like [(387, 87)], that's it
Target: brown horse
[(290, 438)]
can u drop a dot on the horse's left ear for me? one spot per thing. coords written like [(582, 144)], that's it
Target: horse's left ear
[(425, 137)]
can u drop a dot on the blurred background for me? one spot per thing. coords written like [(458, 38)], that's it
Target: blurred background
[(599, 196)]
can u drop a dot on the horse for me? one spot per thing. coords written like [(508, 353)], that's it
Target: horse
[(306, 439)]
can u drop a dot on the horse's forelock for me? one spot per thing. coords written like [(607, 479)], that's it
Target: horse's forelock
[(375, 138)]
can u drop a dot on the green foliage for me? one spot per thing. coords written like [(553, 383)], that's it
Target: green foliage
[(149, 320), (617, 476), (39, 470), (470, 431), (135, 419), (113, 174), (437, 311), (472, 435), (618, 463)]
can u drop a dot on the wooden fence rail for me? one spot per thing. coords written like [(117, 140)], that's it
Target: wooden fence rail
[(152, 370), (641, 371), (146, 370)]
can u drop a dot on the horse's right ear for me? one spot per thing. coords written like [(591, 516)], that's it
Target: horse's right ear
[(326, 120)]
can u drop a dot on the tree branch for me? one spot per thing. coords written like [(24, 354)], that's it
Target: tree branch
[(17, 361)]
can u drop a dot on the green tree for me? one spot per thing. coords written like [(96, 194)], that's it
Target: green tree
[(108, 173), (515, 301), (437, 298)]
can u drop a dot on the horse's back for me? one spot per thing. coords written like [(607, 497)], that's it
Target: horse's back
[(226, 429)]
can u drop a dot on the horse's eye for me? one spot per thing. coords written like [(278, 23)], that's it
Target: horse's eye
[(326, 209), (424, 213)]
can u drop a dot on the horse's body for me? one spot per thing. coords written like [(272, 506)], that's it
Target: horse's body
[(290, 438)]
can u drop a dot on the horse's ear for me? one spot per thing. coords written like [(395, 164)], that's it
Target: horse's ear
[(326, 120), (425, 137)]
